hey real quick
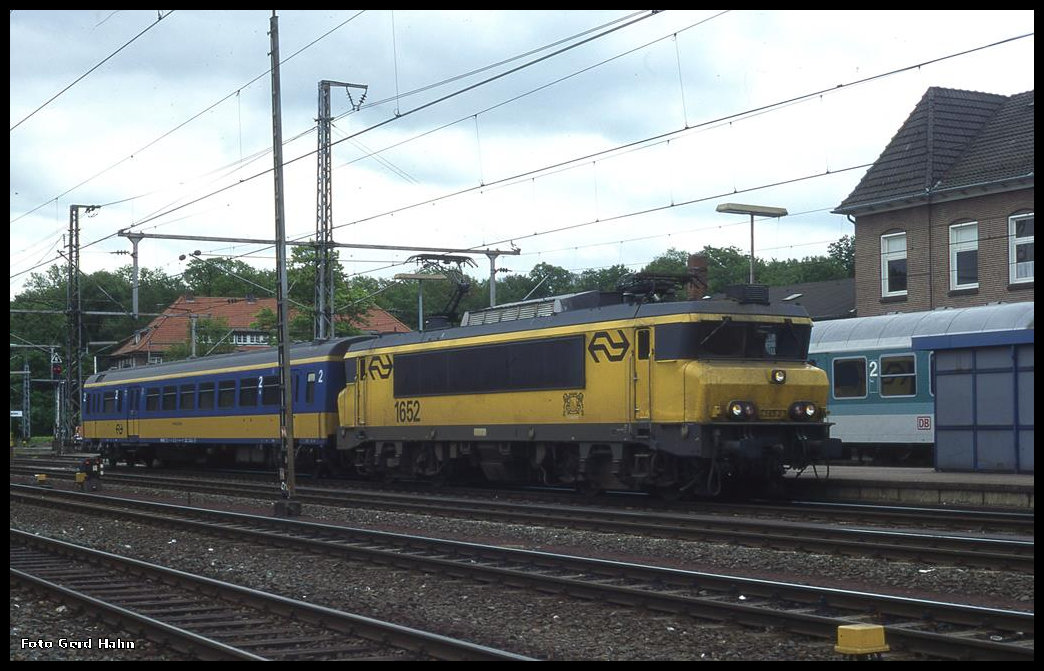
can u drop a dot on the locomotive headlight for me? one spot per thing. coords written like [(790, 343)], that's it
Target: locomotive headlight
[(803, 410), (779, 376), (741, 410)]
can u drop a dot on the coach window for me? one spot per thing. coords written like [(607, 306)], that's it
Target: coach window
[(109, 401), (1020, 248), (152, 396), (248, 388), (170, 398), (893, 264), (226, 394), (206, 396), (187, 397), (898, 376), (850, 378), (270, 390), (310, 388), (964, 256)]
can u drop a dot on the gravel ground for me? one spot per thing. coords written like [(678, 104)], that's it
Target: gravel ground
[(545, 627)]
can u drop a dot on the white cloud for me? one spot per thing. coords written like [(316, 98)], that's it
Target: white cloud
[(162, 125)]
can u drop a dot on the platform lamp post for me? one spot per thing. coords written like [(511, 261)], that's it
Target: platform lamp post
[(421, 278), (752, 210)]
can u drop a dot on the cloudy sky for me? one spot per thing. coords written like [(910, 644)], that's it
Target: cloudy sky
[(583, 139)]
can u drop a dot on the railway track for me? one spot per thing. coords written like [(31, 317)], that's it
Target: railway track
[(940, 630), (968, 550), (213, 620)]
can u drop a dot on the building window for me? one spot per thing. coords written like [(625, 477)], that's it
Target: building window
[(893, 264), (250, 339), (964, 256), (1020, 248)]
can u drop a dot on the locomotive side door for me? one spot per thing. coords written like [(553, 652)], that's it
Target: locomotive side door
[(359, 417), (640, 374)]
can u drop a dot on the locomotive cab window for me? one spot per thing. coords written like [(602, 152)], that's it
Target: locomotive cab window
[(733, 339), (898, 375)]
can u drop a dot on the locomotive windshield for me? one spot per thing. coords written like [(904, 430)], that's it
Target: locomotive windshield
[(733, 339)]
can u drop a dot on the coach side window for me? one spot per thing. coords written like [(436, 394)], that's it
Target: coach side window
[(310, 388), (187, 397), (850, 378), (270, 390), (893, 264), (898, 376), (206, 396), (152, 396), (170, 398), (227, 394), (248, 388)]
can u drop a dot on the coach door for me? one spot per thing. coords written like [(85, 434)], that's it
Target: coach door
[(133, 405), (642, 387)]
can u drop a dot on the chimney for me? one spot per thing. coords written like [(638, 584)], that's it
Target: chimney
[(698, 270)]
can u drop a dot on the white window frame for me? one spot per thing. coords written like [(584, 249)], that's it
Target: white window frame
[(964, 238), (1014, 267), (889, 253)]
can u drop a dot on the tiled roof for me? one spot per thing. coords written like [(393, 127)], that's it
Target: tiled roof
[(172, 327), (829, 299), (952, 139)]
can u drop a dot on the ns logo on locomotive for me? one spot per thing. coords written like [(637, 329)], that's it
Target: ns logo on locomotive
[(595, 390)]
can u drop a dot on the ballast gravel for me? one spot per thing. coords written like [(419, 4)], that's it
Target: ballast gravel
[(544, 627)]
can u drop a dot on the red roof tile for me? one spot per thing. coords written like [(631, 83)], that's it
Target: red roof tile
[(172, 327)]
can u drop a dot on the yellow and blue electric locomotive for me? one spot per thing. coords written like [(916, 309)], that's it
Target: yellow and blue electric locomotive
[(597, 390)]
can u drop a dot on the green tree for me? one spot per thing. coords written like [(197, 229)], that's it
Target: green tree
[(843, 253), (601, 279), (228, 277)]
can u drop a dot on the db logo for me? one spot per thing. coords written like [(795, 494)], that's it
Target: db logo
[(924, 423)]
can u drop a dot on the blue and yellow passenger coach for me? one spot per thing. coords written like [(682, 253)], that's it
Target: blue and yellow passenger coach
[(215, 410), (595, 391)]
